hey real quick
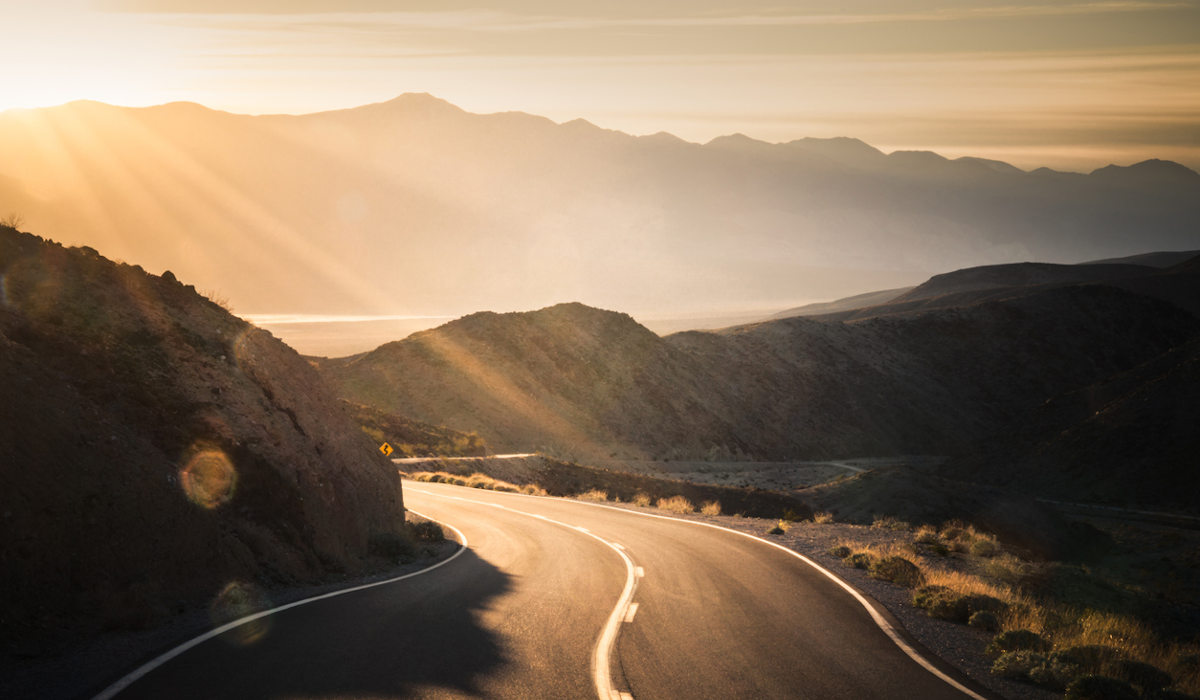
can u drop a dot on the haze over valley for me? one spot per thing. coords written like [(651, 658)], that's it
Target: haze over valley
[(414, 207), (517, 348)]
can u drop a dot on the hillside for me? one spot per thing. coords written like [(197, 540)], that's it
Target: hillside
[(155, 449), (594, 385), (410, 206)]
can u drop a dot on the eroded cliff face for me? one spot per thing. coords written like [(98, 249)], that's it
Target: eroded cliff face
[(155, 449)]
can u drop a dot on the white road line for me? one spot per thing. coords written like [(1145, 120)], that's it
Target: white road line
[(157, 661), (602, 652), (880, 621), (633, 608)]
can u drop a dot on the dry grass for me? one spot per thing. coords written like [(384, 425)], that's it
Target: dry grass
[(1062, 625), (823, 517), (593, 495), (476, 481), (676, 504), (641, 499), (710, 508)]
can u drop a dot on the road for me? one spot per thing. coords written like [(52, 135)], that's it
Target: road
[(560, 599)]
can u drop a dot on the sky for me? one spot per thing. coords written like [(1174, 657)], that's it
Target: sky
[(1072, 85)]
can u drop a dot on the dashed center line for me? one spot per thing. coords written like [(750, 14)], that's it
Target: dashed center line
[(623, 612)]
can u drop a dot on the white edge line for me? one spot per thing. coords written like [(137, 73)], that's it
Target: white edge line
[(602, 652), (633, 608), (888, 628), (163, 658)]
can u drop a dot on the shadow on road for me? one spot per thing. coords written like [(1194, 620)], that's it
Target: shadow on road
[(390, 641)]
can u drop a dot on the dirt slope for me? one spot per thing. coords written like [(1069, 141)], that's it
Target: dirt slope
[(155, 448)]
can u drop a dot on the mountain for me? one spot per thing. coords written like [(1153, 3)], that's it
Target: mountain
[(954, 380), (416, 206), (156, 450)]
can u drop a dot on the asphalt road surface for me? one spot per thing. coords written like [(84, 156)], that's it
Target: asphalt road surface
[(559, 599)]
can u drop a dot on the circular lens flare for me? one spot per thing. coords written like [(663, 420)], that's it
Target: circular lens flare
[(237, 600), (209, 478)]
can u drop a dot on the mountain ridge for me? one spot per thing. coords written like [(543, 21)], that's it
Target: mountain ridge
[(413, 204)]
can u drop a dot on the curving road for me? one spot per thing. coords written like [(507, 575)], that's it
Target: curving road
[(560, 599)]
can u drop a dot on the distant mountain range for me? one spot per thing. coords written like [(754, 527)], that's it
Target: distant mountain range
[(415, 205), (1073, 381)]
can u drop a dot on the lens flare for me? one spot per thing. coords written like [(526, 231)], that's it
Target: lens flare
[(208, 479), (237, 600)]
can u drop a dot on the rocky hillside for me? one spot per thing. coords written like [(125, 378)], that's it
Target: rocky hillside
[(154, 449), (592, 385)]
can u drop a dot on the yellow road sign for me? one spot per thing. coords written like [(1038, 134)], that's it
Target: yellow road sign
[(386, 449)]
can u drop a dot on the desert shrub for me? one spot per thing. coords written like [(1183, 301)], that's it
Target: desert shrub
[(593, 495), (779, 528), (942, 603), (980, 602), (710, 508), (1090, 657), (676, 504), (640, 499), (898, 570), (926, 534), (1017, 664), (1054, 675), (890, 523), (860, 560), (984, 620), (823, 517), (1141, 674), (390, 545), (533, 490), (789, 515), (1100, 688), (841, 551), (427, 531), (1017, 640), (984, 547)]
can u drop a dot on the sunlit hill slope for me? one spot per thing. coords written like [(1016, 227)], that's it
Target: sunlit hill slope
[(968, 377)]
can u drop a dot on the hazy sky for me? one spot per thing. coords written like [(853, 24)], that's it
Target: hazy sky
[(1067, 84)]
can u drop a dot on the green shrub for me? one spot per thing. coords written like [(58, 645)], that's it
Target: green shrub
[(1017, 664), (1054, 675), (860, 560), (979, 602), (1100, 688), (1089, 657), (1142, 674), (841, 551), (942, 603), (984, 620), (898, 570), (1017, 640)]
